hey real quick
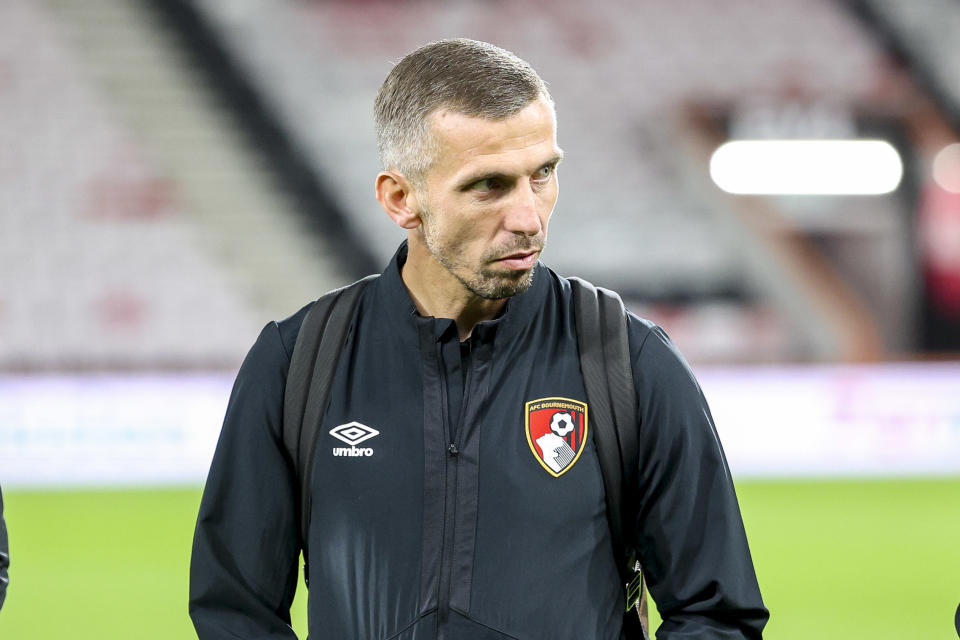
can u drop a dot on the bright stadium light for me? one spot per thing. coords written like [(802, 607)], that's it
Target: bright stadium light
[(807, 167), (946, 168)]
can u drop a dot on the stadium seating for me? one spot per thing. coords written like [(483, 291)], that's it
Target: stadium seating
[(99, 265), (636, 211), (931, 28)]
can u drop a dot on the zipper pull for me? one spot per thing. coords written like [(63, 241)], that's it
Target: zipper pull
[(452, 449)]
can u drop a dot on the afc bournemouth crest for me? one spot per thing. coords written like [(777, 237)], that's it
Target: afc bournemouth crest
[(556, 432)]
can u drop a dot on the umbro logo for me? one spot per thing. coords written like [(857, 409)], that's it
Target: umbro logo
[(353, 433)]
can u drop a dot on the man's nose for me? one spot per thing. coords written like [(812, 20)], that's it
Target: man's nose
[(522, 214)]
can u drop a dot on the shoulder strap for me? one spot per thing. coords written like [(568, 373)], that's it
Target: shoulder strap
[(604, 346), (324, 331)]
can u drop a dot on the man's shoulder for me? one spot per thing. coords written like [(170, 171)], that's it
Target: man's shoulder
[(289, 327), (638, 327)]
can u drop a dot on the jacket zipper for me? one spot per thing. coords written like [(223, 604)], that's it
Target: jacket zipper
[(450, 494)]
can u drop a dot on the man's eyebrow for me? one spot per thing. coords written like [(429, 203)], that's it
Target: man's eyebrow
[(473, 178)]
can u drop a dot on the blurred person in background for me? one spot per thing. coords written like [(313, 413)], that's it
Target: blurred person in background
[(454, 519), (4, 554)]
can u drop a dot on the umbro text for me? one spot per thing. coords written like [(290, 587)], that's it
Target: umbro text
[(352, 452)]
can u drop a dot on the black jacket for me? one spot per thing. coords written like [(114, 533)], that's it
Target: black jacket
[(447, 522)]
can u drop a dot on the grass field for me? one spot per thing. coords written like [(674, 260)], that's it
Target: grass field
[(847, 560)]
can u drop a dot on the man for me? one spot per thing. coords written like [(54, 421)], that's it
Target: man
[(475, 507)]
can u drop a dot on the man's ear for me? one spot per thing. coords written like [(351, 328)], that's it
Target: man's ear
[(398, 198)]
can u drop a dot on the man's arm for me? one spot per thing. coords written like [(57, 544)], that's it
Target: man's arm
[(243, 571), (692, 543)]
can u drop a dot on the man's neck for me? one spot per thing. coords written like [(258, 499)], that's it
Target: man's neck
[(437, 292)]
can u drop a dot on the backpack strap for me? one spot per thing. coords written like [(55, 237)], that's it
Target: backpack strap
[(604, 348), (320, 341)]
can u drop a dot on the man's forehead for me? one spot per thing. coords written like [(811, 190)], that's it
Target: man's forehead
[(464, 137)]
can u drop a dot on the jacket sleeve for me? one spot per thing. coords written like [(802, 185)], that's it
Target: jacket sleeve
[(243, 570), (691, 540), (4, 555)]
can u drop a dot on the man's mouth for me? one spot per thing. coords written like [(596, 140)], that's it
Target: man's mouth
[(521, 260)]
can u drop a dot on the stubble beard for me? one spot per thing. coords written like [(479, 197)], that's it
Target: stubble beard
[(485, 282)]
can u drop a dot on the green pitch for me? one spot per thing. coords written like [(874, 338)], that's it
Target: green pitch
[(844, 560)]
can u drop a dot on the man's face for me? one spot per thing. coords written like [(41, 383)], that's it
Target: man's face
[(488, 197)]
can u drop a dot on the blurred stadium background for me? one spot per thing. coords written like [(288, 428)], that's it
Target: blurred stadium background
[(176, 173)]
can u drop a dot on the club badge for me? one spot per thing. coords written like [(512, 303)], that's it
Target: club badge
[(556, 432)]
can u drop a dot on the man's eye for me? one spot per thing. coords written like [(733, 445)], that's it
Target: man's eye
[(544, 173), (485, 185)]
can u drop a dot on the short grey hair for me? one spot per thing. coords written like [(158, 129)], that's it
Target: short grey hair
[(469, 77)]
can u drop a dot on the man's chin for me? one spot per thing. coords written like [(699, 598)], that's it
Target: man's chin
[(503, 284)]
